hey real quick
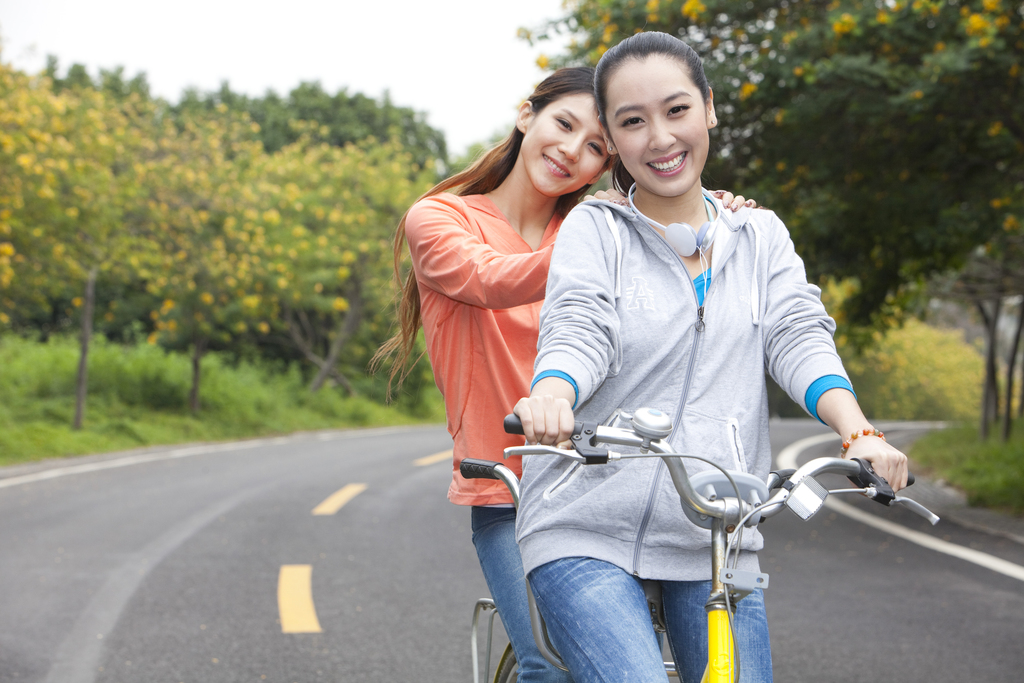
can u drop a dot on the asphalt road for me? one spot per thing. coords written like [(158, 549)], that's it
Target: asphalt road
[(167, 565)]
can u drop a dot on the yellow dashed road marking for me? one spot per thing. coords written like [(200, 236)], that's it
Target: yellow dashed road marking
[(295, 599), (334, 501), (431, 459)]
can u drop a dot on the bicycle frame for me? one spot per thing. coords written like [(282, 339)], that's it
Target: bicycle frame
[(482, 605)]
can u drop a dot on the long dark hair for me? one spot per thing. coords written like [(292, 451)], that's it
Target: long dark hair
[(485, 175), (640, 46)]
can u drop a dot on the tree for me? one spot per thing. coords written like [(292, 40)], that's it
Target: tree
[(888, 134), (993, 274), (346, 118), (111, 81)]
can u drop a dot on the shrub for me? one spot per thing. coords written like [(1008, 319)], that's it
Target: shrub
[(917, 372), (138, 395)]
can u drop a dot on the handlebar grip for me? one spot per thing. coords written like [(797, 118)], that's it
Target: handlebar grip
[(513, 425), (472, 468), (910, 479)]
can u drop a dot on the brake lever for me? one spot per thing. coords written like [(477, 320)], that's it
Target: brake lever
[(916, 508), (583, 442), (867, 478), (537, 449)]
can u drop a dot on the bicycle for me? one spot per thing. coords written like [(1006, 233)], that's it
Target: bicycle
[(723, 501)]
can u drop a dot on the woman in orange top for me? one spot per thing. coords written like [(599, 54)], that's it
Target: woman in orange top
[(481, 243)]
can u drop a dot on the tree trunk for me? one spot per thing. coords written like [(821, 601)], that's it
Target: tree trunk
[(297, 324), (198, 351), (1011, 367), (990, 394), (352, 319), (1020, 401), (83, 357)]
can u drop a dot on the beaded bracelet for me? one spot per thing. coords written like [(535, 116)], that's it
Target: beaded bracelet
[(857, 435)]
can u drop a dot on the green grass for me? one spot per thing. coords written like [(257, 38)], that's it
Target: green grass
[(990, 472), (138, 397)]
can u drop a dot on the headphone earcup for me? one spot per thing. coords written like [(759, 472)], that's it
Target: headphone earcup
[(682, 238), (704, 235)]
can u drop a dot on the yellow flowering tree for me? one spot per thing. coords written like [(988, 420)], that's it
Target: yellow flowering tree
[(319, 223), (889, 134), (63, 192), (197, 173), (181, 226)]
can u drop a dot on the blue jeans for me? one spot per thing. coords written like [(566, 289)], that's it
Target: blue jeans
[(597, 619), (494, 535)]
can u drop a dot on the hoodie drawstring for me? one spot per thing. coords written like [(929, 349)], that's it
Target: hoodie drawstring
[(618, 249), (755, 293)]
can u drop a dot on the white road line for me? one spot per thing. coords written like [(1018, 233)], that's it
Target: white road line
[(57, 472), (789, 457), (123, 462), (80, 651)]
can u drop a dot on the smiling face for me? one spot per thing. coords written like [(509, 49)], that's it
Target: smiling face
[(563, 146), (658, 124)]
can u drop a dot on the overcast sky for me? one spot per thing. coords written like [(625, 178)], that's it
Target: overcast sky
[(457, 60)]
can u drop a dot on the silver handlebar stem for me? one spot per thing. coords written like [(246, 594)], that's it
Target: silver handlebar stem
[(680, 477)]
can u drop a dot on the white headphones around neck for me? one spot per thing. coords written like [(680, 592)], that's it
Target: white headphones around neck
[(682, 237)]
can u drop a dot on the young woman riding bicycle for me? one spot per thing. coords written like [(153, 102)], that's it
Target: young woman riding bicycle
[(481, 243), (643, 310)]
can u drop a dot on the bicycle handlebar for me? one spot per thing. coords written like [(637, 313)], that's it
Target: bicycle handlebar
[(650, 427)]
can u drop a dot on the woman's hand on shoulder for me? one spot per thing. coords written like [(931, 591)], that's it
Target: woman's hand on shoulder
[(729, 200), (608, 196), (734, 202), (887, 461)]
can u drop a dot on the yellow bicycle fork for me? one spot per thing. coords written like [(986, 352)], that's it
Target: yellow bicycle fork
[(721, 652), (720, 667)]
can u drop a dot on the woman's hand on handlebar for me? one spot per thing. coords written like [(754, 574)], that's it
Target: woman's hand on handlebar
[(839, 409), (547, 413), (887, 461)]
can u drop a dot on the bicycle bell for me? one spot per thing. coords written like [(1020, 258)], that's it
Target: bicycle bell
[(652, 424)]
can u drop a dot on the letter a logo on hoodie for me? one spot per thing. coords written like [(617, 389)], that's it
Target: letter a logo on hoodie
[(639, 295)]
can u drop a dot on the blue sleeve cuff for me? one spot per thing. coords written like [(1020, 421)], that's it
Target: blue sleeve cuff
[(819, 387), (560, 375)]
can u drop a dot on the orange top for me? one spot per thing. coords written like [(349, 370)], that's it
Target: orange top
[(481, 289)]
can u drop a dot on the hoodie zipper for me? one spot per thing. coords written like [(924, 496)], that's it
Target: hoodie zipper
[(699, 327)]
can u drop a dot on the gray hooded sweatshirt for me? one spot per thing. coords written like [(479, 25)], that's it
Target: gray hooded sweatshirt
[(621, 319)]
